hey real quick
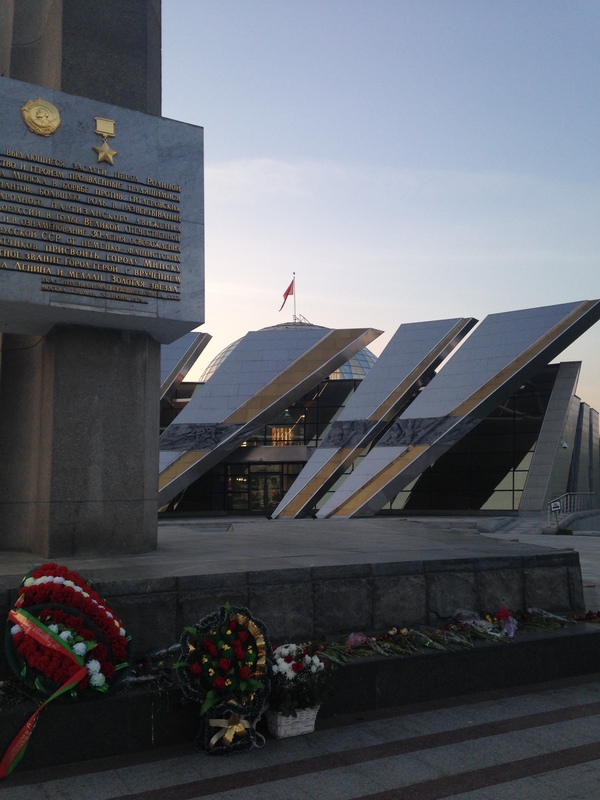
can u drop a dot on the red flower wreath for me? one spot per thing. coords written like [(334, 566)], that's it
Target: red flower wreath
[(58, 625), (61, 638)]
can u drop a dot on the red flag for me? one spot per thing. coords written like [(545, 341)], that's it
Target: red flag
[(288, 292)]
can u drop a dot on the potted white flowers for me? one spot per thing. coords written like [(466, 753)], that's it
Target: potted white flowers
[(299, 685)]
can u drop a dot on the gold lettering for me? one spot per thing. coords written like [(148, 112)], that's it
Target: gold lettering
[(163, 287)]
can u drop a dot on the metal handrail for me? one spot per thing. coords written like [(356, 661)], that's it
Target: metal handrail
[(571, 503)]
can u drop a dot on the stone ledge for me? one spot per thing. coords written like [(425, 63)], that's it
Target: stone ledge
[(142, 719), (297, 604), (378, 682)]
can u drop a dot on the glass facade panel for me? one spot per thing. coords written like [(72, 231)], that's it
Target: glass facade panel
[(305, 422), (237, 487), (519, 478), (488, 468)]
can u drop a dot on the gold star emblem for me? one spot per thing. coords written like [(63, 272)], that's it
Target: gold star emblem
[(105, 128), (106, 153)]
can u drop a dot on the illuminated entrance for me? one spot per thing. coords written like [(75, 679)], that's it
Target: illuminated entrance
[(258, 488)]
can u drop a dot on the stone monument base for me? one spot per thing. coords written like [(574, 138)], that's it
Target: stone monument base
[(74, 407), (413, 572), (144, 719)]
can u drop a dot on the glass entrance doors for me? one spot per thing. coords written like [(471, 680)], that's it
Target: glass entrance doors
[(265, 491), (258, 488)]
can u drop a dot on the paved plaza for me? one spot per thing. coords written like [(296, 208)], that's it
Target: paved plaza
[(540, 741), (225, 544)]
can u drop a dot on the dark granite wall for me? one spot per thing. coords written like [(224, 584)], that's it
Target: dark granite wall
[(297, 604), (107, 50), (112, 52)]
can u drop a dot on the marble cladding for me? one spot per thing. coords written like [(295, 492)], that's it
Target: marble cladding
[(497, 340), (259, 358), (409, 346), (150, 152)]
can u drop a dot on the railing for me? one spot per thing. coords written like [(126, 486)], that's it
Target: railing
[(571, 503)]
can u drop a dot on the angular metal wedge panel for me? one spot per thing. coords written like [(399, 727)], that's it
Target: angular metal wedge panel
[(177, 358), (404, 367), (267, 371), (500, 354)]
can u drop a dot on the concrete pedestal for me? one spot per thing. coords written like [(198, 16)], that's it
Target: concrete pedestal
[(79, 408), (31, 41), (79, 416)]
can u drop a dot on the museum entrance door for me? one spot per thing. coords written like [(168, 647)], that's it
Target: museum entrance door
[(257, 488), (265, 489)]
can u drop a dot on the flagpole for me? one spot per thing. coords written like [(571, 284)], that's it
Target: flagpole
[(291, 290), (294, 280)]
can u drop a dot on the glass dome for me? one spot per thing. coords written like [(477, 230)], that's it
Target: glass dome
[(217, 361), (355, 368)]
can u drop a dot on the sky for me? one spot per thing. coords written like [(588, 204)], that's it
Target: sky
[(408, 160)]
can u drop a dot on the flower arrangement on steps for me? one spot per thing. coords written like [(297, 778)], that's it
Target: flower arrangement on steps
[(299, 685), (224, 664), (63, 640), (61, 604)]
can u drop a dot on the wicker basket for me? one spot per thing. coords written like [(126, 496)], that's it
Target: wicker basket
[(282, 727)]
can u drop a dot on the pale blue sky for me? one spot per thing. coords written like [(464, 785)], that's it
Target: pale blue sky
[(408, 159)]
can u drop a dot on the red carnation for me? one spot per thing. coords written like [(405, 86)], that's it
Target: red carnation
[(108, 670), (297, 667), (100, 651)]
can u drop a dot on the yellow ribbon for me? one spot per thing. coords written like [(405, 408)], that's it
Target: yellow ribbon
[(256, 632), (233, 726)]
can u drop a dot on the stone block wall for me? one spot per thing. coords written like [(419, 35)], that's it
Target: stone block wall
[(297, 604)]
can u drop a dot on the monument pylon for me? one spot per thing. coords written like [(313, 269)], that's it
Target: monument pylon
[(101, 261)]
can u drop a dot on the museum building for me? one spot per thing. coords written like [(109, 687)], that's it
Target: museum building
[(455, 416)]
